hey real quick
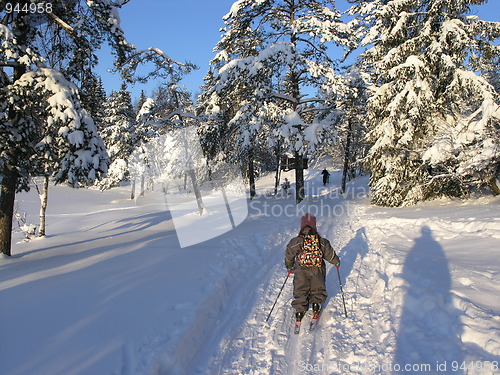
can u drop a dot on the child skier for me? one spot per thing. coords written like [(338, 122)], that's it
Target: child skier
[(305, 255)]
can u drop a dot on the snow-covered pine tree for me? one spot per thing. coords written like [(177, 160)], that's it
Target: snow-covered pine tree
[(184, 122), (140, 103), (347, 102), (433, 121), (221, 128), (147, 131), (94, 98), (176, 160), (56, 46), (65, 146), (271, 55), (70, 32), (146, 120), (119, 134), (170, 107), (69, 148), (491, 71)]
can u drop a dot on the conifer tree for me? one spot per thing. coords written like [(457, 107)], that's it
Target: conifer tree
[(173, 107), (94, 98), (140, 103), (348, 102), (433, 120), (119, 134), (270, 54)]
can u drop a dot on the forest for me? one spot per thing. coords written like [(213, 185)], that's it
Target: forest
[(417, 108)]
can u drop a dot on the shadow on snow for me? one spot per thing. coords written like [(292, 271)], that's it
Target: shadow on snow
[(428, 338)]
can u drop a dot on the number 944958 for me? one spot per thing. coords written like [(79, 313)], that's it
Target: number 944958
[(18, 7)]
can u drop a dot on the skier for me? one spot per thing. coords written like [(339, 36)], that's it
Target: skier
[(326, 176), (305, 255), (286, 185)]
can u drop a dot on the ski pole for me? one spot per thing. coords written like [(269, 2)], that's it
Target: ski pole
[(272, 308), (341, 290)]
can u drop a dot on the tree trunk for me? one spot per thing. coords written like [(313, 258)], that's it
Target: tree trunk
[(44, 196), (7, 200), (143, 179), (295, 91), (251, 176), (197, 193), (299, 178), (495, 189), (278, 175), (191, 172), (10, 175), (347, 156), (132, 193)]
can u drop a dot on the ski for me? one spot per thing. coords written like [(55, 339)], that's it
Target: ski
[(296, 330), (314, 321)]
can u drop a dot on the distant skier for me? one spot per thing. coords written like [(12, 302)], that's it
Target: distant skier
[(286, 185), (306, 255), (326, 176)]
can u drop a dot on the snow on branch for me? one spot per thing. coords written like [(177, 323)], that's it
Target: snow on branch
[(14, 55), (69, 135), (180, 114), (165, 67)]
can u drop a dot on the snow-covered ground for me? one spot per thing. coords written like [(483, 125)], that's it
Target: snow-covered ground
[(110, 290)]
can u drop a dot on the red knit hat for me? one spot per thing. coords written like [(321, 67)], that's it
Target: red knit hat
[(308, 220)]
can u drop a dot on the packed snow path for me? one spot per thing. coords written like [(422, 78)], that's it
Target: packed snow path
[(249, 345)]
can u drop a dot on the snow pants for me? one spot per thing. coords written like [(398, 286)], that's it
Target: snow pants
[(308, 287)]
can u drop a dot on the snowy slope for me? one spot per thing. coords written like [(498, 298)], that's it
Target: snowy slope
[(110, 291)]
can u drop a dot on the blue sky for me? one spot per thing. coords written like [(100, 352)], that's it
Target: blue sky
[(188, 30)]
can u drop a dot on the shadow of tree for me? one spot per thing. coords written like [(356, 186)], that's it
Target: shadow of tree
[(129, 225)]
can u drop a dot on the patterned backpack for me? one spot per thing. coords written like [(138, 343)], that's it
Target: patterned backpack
[(311, 254)]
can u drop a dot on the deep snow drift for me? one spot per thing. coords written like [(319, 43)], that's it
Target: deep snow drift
[(110, 291)]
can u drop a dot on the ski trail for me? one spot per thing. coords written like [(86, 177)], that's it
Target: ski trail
[(250, 346), (252, 343), (359, 344), (316, 351)]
